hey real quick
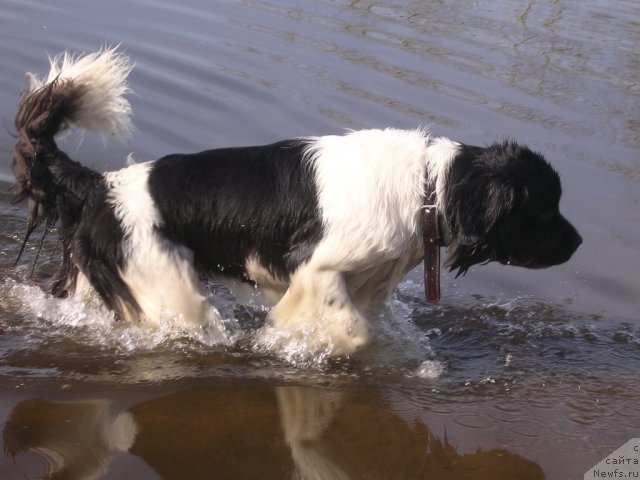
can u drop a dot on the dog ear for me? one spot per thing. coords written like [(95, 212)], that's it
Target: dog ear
[(476, 204)]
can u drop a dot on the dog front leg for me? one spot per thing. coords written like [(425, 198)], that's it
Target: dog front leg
[(318, 310)]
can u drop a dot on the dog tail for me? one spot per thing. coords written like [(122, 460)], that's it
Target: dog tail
[(84, 91)]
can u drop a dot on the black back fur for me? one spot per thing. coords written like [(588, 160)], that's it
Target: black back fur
[(229, 204)]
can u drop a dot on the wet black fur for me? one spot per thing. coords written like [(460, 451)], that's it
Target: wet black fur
[(502, 202), (91, 236), (63, 193), (229, 204)]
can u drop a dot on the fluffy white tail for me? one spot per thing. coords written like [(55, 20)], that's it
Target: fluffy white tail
[(101, 80), (85, 91)]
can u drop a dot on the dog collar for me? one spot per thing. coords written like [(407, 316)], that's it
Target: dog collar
[(432, 240)]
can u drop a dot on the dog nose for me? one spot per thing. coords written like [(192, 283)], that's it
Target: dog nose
[(577, 241)]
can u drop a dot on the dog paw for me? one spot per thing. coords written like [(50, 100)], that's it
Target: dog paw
[(316, 337)]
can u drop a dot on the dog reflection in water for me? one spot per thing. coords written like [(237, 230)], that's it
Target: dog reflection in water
[(289, 432), (77, 440)]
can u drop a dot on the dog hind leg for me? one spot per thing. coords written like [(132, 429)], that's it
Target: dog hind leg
[(165, 282)]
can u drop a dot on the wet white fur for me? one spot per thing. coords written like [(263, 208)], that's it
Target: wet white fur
[(160, 274), (370, 185)]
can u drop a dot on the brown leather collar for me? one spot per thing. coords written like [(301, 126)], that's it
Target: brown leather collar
[(432, 242)]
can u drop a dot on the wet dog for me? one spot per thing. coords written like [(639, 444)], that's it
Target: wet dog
[(324, 228)]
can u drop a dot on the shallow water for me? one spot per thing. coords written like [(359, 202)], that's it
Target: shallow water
[(515, 374)]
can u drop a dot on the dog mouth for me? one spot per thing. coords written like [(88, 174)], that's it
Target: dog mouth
[(533, 263), (530, 263)]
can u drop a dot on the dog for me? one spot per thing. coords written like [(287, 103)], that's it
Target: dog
[(322, 228)]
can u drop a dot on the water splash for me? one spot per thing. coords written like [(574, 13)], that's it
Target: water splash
[(85, 320), (450, 342), (76, 323), (293, 347), (430, 370)]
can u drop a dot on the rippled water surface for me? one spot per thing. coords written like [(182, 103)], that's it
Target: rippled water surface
[(515, 374)]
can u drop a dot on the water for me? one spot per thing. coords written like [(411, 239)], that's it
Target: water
[(515, 374)]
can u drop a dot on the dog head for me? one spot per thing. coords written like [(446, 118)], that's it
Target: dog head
[(502, 204)]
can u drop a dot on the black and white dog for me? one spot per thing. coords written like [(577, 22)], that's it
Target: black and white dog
[(324, 228)]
